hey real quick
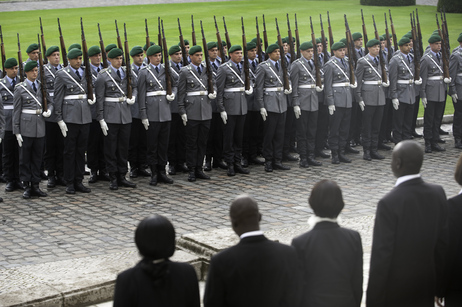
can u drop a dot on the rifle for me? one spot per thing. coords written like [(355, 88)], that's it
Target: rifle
[(316, 56), (283, 62), (228, 41), (45, 60), (43, 88), (351, 51), (207, 61), (331, 36), (381, 59), (387, 37), (419, 33), (148, 42), (119, 44), (167, 62), (246, 58), (323, 42), (159, 37), (193, 33), (103, 50), (219, 41), (86, 63), (443, 51), (21, 67), (291, 40), (128, 68), (444, 28), (365, 34), (265, 37), (182, 45), (297, 38), (259, 49), (2, 47), (395, 40), (63, 46), (417, 50)]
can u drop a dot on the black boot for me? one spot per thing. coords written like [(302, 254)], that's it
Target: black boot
[(239, 169), (311, 160), (375, 155), (367, 154), (93, 177), (192, 175), (70, 189), (162, 175), (134, 172), (231, 171), (342, 157), (81, 188), (320, 153), (143, 171), (304, 162), (27, 190), (121, 180), (200, 174), (36, 190), (153, 180), (268, 166), (437, 147), (10, 186), (335, 159), (255, 160), (51, 181), (113, 181), (428, 147), (208, 164), (349, 149), (278, 165)]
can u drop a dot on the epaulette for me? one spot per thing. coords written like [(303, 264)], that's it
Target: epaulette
[(362, 58), (104, 70)]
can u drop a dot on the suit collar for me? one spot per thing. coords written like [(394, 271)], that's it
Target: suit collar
[(403, 179), (253, 239), (326, 225)]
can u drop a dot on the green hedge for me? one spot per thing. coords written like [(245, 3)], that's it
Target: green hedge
[(451, 6), (391, 2)]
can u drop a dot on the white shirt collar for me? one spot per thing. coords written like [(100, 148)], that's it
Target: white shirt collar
[(406, 178), (251, 234)]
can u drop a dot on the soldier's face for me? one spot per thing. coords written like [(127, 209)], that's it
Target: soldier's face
[(383, 45), (286, 47), (236, 56), (155, 58), (275, 55), (116, 62), (176, 57), (213, 53), (34, 55), (307, 54), (340, 53), (406, 48), (76, 63), (186, 48), (96, 59), (32, 74), (319, 46), (53, 59), (12, 72), (225, 49), (138, 59), (252, 54), (374, 50), (411, 43), (196, 58), (359, 43), (436, 47)]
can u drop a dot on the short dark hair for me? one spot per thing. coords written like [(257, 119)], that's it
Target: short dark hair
[(155, 237), (458, 172), (326, 199)]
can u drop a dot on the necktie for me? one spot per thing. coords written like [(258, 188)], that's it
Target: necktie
[(239, 67), (254, 65), (98, 69), (199, 70), (438, 57), (157, 69), (320, 59), (409, 59), (77, 74), (344, 64), (311, 65), (360, 52), (13, 83), (178, 66), (118, 74), (277, 66), (56, 68), (34, 87), (215, 66), (376, 61)]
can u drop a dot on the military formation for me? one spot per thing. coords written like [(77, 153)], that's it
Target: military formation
[(158, 110)]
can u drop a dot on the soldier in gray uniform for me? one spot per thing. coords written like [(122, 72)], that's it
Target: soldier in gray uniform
[(339, 100), (32, 53), (432, 93), (387, 118), (322, 129), (155, 113), (29, 129), (232, 105), (271, 96), (10, 155), (455, 90), (402, 91), (194, 105), (371, 98), (305, 101), (72, 110), (114, 116)]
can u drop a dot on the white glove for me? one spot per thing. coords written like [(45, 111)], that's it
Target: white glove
[(171, 97), (362, 105), (418, 82), (104, 127), (184, 117), (145, 123), (62, 125), (454, 98), (319, 89), (250, 91), (297, 112), (213, 95), (331, 109), (131, 101), (289, 91), (447, 80), (263, 113), (395, 103), (47, 113), (424, 102), (386, 84), (224, 117), (19, 138), (354, 85), (92, 101)]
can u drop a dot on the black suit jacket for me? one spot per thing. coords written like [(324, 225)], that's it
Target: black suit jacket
[(331, 259), (256, 272), (135, 287), (408, 246)]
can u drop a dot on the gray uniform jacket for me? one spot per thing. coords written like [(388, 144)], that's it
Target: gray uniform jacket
[(269, 78), (301, 74), (251, 103), (367, 71), (105, 87), (215, 108), (135, 108), (155, 108), (321, 94), (399, 70), (433, 90), (50, 76), (455, 71), (7, 103), (70, 104), (336, 73), (175, 75), (229, 79), (29, 125), (94, 74), (197, 107)]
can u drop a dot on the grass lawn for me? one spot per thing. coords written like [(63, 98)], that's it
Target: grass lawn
[(26, 23)]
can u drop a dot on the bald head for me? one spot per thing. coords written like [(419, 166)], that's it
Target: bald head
[(407, 158), (244, 215)]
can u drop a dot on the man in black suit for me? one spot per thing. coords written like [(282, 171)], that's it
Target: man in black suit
[(256, 272), (409, 239)]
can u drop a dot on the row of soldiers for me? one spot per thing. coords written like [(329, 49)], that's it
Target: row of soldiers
[(227, 124)]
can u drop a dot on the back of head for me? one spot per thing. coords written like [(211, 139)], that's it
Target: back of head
[(326, 199), (244, 214), (458, 173), (407, 158), (155, 237)]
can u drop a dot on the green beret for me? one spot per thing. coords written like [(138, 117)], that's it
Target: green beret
[(254, 40), (77, 46), (32, 47), (372, 42), (251, 45), (145, 47), (382, 38), (436, 32), (356, 36), (110, 47), (272, 48), (74, 53), (223, 43), (434, 39), (211, 45), (306, 45), (404, 40), (136, 50), (234, 48), (174, 49), (459, 39), (51, 50), (343, 40), (30, 65), (318, 40), (194, 49), (11, 62), (285, 40), (408, 35), (115, 52), (153, 50), (338, 45), (94, 50), (186, 43)]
